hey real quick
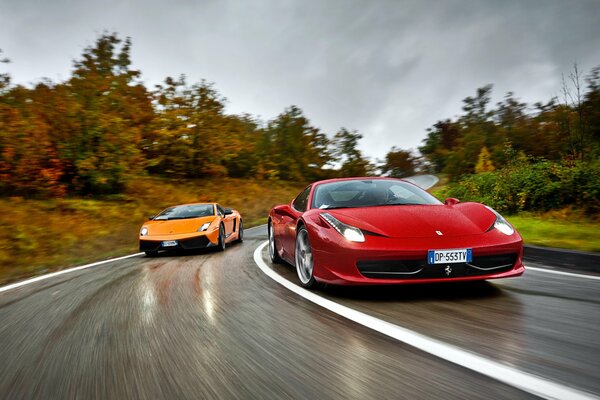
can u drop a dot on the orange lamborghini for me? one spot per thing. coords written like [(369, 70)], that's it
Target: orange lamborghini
[(191, 226)]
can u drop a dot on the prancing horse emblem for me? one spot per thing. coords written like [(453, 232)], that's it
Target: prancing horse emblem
[(448, 270)]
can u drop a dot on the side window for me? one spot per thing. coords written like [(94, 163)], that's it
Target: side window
[(220, 211), (301, 201)]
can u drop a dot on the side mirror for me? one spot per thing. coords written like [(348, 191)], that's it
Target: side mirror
[(450, 201), (151, 217), (284, 211), (227, 211)]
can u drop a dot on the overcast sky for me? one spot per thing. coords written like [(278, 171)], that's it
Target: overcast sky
[(389, 69)]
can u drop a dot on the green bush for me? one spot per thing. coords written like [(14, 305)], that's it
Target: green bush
[(533, 186)]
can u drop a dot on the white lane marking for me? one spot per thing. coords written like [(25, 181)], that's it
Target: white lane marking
[(552, 271), (523, 380), (64, 271)]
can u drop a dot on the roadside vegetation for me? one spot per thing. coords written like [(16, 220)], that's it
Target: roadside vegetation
[(563, 229), (551, 204), (37, 236), (85, 161), (567, 227), (537, 164)]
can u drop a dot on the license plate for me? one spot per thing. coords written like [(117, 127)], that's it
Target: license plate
[(169, 243), (449, 256)]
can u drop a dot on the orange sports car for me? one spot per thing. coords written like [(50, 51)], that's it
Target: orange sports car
[(191, 226)]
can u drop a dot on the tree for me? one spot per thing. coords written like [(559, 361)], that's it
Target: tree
[(591, 106), (399, 163), (475, 108), (484, 164), (440, 141), (114, 110), (30, 161), (296, 149), (4, 77), (348, 155)]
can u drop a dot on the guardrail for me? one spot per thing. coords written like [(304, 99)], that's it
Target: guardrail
[(571, 259)]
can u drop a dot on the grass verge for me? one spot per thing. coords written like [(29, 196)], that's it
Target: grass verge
[(568, 229), (37, 236), (551, 231)]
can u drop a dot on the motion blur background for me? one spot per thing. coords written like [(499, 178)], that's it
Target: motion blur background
[(110, 111)]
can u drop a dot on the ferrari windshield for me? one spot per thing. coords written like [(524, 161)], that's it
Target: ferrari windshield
[(187, 211), (369, 193)]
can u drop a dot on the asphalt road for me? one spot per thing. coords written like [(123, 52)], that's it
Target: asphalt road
[(213, 325)]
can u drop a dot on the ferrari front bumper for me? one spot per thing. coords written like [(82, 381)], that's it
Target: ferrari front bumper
[(381, 260)]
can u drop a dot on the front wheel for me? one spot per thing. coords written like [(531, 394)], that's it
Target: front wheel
[(221, 244), (240, 232), (304, 259), (272, 249)]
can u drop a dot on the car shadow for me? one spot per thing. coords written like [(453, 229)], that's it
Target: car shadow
[(183, 252), (193, 252), (446, 291)]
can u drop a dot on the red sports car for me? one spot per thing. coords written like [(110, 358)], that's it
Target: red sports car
[(359, 231)]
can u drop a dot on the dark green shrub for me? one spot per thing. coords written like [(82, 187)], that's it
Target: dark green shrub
[(533, 186)]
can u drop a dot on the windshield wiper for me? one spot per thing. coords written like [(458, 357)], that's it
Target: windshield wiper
[(402, 204)]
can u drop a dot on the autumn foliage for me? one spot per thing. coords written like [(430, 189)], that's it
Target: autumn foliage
[(518, 157), (484, 138), (102, 127)]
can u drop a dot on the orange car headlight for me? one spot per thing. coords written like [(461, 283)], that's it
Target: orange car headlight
[(144, 231), (204, 227)]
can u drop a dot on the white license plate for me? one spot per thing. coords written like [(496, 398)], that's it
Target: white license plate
[(169, 243), (449, 256)]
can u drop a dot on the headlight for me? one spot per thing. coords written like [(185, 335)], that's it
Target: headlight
[(501, 224), (144, 231), (204, 227), (351, 233)]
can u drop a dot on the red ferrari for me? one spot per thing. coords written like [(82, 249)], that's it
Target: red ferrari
[(359, 231)]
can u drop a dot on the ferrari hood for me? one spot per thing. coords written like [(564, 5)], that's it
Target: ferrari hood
[(419, 220), (176, 226)]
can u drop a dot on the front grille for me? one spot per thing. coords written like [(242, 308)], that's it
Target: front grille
[(493, 262), (195, 243), (148, 245), (399, 267), (419, 269)]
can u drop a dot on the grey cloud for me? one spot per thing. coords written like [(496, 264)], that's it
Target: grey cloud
[(389, 69)]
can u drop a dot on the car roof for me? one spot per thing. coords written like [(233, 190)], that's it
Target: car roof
[(357, 178), (193, 204)]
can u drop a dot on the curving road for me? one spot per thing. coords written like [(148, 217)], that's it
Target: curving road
[(213, 325)]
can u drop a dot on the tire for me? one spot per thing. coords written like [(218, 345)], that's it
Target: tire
[(221, 243), (240, 238), (152, 253), (304, 259), (272, 246)]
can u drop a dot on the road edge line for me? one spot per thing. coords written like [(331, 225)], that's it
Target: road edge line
[(73, 269), (556, 272), (525, 381), (63, 271)]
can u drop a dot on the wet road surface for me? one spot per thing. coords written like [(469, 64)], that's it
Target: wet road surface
[(212, 325)]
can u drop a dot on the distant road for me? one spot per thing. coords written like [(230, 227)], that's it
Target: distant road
[(213, 325), (423, 181)]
